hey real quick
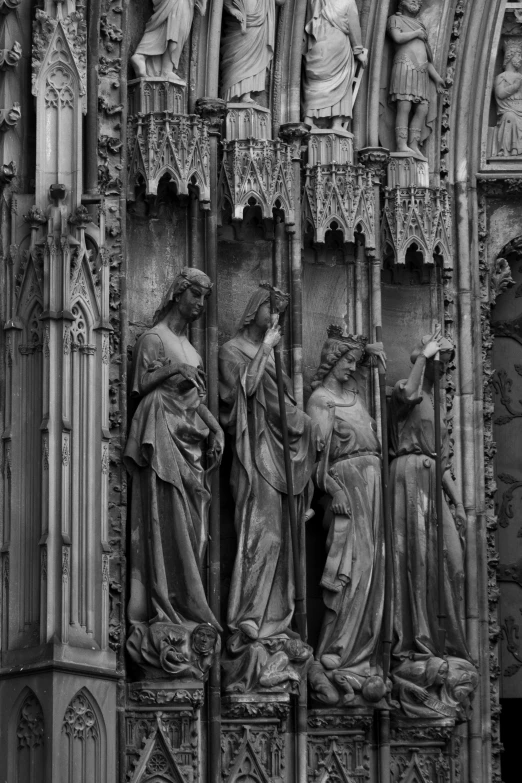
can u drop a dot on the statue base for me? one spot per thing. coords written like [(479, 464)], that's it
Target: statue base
[(248, 121), (330, 146), (406, 171), (151, 94), (254, 737), (339, 745), (163, 730), (424, 750)]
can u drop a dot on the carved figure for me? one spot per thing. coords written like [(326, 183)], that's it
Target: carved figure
[(261, 602), (418, 686), (349, 472), (413, 492), (165, 35), (333, 43), (247, 47), (170, 496), (412, 69), (507, 139)]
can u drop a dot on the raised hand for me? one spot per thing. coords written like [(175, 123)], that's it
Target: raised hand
[(433, 347), (273, 333), (377, 350)]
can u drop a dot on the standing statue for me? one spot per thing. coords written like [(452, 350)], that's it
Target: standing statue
[(507, 139), (165, 35), (411, 72), (168, 610), (413, 500), (349, 472), (262, 651), (247, 47), (333, 43)]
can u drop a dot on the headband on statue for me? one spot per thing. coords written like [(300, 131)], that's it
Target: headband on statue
[(352, 341)]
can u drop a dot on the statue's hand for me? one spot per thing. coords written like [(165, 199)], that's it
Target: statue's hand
[(441, 85), (363, 57), (236, 13), (422, 34), (460, 516), (190, 373), (273, 334), (340, 503), (377, 350), (434, 345)]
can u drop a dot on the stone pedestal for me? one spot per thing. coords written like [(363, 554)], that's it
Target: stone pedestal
[(339, 744), (330, 146), (156, 94), (254, 739), (405, 171), (248, 121), (163, 731), (424, 751)]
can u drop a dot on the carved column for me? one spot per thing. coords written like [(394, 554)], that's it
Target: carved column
[(56, 602)]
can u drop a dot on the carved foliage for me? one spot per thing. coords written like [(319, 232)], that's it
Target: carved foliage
[(80, 720), (258, 172), (30, 741), (84, 746), (30, 728), (59, 41)]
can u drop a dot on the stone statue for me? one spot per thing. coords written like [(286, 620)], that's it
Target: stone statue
[(411, 72), (165, 35), (170, 495), (349, 472), (261, 602), (413, 501), (333, 43), (507, 138), (247, 47)]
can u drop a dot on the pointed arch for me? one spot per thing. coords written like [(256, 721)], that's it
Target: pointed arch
[(85, 740), (27, 739)]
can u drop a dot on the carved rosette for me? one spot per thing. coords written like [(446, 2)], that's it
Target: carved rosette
[(163, 143), (340, 196), (258, 172), (421, 217)]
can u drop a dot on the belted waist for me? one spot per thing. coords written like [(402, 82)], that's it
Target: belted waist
[(353, 454)]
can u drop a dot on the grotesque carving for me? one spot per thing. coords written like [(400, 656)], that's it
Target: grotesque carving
[(247, 47), (416, 566), (165, 36), (349, 472), (412, 70), (333, 43), (507, 139), (261, 602), (170, 496)]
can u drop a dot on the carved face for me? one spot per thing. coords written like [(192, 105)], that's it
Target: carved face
[(411, 6), (263, 317), (192, 301), (346, 366), (516, 60), (442, 674), (204, 639)]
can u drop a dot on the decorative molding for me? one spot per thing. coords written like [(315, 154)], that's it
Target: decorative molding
[(62, 41), (30, 728), (80, 721)]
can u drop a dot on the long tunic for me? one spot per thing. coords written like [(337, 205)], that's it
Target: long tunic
[(170, 497), (507, 139), (247, 49), (409, 79), (333, 35), (353, 577), (171, 21), (413, 490), (262, 588)]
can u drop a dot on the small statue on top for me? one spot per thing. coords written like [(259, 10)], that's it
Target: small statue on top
[(412, 69)]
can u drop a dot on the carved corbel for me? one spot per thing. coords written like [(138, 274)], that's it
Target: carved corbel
[(9, 58), (7, 172), (9, 117)]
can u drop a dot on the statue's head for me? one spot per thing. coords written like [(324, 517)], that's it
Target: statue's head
[(204, 639), (189, 292), (513, 51), (260, 304), (340, 355), (410, 6)]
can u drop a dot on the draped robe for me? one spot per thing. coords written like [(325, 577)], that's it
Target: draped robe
[(333, 36), (247, 49), (170, 497), (507, 138), (262, 589)]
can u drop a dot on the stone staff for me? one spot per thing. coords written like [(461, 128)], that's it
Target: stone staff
[(441, 607)]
